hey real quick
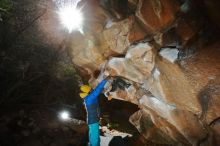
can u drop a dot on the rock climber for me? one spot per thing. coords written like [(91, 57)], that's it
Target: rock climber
[(92, 107)]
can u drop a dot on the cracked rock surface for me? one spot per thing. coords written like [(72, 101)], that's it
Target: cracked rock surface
[(164, 50)]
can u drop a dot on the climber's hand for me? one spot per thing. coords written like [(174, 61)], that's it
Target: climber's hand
[(110, 79)]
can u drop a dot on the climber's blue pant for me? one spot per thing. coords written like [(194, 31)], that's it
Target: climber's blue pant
[(94, 139)]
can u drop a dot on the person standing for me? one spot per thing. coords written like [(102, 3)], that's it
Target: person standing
[(92, 107)]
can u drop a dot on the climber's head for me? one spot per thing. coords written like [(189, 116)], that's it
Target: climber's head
[(85, 89)]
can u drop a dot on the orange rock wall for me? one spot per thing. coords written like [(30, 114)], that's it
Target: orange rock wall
[(162, 50)]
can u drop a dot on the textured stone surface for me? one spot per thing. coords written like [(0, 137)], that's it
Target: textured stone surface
[(181, 119), (142, 57), (184, 30), (143, 122), (203, 72), (176, 88), (117, 35), (86, 54), (124, 67), (167, 50), (157, 14), (216, 135), (137, 64), (173, 72)]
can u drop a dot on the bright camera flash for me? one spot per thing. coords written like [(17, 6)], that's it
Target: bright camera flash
[(71, 17), (64, 115)]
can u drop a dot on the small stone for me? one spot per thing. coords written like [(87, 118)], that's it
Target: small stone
[(169, 54)]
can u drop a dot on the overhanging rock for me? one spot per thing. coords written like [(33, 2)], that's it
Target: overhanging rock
[(173, 77)]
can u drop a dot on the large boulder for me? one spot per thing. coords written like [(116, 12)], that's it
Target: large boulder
[(203, 70), (85, 53), (181, 120), (142, 57), (120, 35), (175, 83), (157, 15), (146, 126), (117, 36), (137, 64), (124, 68)]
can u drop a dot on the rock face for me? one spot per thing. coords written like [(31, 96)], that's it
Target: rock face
[(172, 69), (157, 14)]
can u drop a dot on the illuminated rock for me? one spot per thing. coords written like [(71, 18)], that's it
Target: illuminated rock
[(124, 67), (157, 14), (85, 53), (143, 122), (176, 88), (142, 57), (177, 118), (117, 35)]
